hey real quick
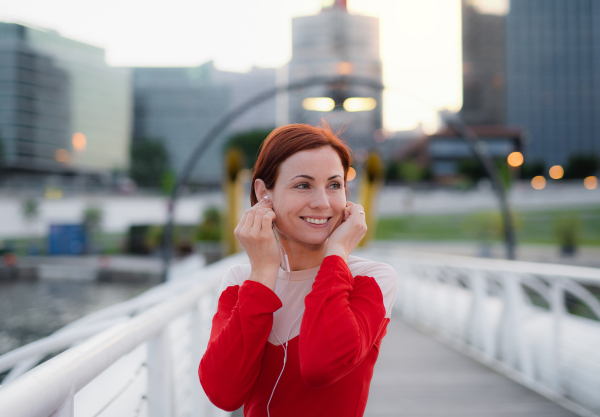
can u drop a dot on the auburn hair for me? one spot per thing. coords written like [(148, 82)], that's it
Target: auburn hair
[(285, 141)]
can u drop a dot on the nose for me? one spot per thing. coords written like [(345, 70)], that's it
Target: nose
[(319, 200)]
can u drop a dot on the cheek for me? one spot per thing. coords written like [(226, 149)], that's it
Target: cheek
[(339, 204)]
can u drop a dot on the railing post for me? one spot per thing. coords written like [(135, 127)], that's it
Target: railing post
[(515, 352), (200, 328), (558, 311), (196, 355), (478, 317), (160, 396)]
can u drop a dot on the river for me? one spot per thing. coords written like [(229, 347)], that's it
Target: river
[(32, 310)]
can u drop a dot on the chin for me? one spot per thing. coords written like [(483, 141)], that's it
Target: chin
[(318, 238)]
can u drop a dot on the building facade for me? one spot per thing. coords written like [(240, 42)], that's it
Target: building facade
[(484, 67), (337, 43), (35, 110), (64, 108), (553, 76), (178, 106)]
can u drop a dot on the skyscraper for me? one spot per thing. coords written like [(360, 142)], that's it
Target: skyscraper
[(178, 106), (484, 62), (335, 42), (63, 106), (553, 76), (35, 110)]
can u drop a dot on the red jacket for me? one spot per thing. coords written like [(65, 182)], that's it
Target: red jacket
[(330, 363)]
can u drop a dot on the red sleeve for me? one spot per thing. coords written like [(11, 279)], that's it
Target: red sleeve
[(238, 337), (343, 318)]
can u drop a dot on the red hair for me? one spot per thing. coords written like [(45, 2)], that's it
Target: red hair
[(285, 141)]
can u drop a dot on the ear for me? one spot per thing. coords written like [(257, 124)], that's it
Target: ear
[(260, 189)]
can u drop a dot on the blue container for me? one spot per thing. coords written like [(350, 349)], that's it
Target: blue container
[(66, 239)]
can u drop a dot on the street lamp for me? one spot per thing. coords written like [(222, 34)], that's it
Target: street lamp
[(352, 104)]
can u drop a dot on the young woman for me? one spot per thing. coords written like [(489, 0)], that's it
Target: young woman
[(297, 332)]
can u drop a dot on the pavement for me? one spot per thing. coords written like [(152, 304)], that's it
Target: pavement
[(417, 376)]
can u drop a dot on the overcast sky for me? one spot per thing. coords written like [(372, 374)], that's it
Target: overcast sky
[(420, 39)]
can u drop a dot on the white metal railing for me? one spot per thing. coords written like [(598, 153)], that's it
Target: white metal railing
[(483, 307), (140, 357), (137, 358)]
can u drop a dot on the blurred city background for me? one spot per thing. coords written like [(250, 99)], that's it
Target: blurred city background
[(101, 105)]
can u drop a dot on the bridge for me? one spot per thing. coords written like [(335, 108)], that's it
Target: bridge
[(468, 336)]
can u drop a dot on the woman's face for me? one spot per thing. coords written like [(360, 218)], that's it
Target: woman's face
[(309, 197)]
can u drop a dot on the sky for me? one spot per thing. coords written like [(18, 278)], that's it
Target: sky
[(420, 40)]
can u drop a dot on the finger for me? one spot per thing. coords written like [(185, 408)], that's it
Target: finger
[(262, 203), (258, 218), (267, 222), (241, 223), (348, 210), (247, 228)]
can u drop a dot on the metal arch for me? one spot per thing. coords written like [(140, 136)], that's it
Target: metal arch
[(474, 143), (223, 123), (460, 126)]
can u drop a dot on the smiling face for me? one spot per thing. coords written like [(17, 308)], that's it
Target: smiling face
[(309, 196)]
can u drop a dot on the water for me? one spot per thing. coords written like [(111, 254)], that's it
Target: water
[(32, 310)]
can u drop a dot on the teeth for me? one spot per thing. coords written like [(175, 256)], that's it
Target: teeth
[(315, 221)]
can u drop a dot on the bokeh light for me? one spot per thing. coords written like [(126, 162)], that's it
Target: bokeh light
[(556, 172), (345, 68), (591, 183), (318, 104), (61, 155), (515, 159), (79, 141), (380, 135), (353, 104), (351, 174), (538, 182)]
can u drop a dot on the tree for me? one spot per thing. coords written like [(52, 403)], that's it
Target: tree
[(210, 227), (532, 169), (249, 143), (581, 166), (92, 220), (149, 162)]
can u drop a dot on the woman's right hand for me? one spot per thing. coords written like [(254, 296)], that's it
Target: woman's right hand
[(255, 234)]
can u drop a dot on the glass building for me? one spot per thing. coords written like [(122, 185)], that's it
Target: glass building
[(63, 108), (337, 43), (178, 106), (553, 76), (35, 111), (484, 66)]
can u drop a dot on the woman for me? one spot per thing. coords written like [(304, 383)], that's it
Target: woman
[(299, 334)]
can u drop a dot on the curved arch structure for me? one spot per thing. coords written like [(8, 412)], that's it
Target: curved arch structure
[(230, 117)]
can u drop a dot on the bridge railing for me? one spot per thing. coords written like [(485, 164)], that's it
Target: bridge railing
[(140, 358), (513, 316), (137, 358)]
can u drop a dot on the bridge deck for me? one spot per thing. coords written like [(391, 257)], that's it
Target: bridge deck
[(418, 376)]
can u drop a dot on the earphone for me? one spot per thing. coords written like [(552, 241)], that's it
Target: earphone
[(284, 346)]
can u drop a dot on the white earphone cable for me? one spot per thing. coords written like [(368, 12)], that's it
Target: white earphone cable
[(283, 345)]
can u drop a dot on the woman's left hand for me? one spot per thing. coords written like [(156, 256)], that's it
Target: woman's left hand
[(349, 233)]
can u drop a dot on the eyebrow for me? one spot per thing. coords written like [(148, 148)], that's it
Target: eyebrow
[(312, 179)]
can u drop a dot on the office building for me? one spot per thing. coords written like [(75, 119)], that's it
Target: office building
[(484, 63), (35, 110), (64, 109), (179, 106), (337, 43), (553, 76)]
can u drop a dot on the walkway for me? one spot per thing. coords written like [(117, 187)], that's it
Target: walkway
[(418, 376)]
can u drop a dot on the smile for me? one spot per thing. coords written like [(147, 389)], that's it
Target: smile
[(315, 221)]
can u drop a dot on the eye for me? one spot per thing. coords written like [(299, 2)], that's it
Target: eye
[(302, 186), (336, 185)]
